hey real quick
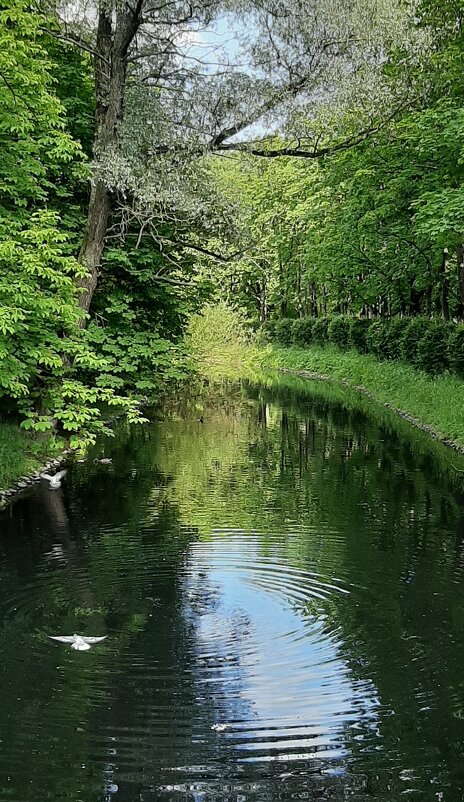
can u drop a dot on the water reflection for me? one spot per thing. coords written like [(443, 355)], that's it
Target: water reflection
[(281, 587), (272, 662)]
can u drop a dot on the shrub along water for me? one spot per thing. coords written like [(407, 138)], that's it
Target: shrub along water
[(432, 345)]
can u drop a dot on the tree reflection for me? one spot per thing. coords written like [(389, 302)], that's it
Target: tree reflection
[(318, 496)]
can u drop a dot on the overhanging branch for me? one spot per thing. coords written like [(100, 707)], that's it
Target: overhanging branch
[(72, 39), (259, 149)]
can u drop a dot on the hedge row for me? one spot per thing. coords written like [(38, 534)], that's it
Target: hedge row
[(432, 345)]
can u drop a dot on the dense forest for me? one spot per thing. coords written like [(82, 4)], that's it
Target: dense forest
[(298, 160)]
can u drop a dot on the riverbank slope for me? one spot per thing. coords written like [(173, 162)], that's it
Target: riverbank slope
[(23, 453), (222, 349), (435, 404)]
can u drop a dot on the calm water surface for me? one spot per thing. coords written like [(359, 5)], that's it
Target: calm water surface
[(282, 589)]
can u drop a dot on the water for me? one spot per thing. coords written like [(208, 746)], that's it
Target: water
[(283, 594)]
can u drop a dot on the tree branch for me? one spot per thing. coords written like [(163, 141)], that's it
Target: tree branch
[(315, 152), (291, 90), (71, 39), (205, 251)]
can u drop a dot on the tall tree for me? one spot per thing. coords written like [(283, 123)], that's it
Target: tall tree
[(290, 59)]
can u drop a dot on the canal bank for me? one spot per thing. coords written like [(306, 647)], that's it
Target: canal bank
[(23, 455), (221, 348), (433, 404)]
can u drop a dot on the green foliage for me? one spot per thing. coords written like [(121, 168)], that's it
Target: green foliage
[(33, 141), (456, 350), (395, 329), (432, 349), (284, 331), (269, 330), (22, 453), (43, 350), (431, 345), (384, 337), (221, 343), (375, 338), (140, 362), (374, 230), (303, 331), (133, 293), (358, 328), (54, 372), (319, 247), (339, 331), (321, 330), (72, 70), (40, 335), (413, 332)]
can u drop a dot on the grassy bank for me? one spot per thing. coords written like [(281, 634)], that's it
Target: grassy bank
[(223, 349), (22, 453), (434, 402)]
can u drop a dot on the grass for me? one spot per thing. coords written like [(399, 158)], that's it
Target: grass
[(220, 343), (22, 453), (434, 402), (222, 349)]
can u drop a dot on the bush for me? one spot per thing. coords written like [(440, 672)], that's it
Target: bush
[(284, 331), (269, 330), (412, 335), (303, 331), (384, 337), (432, 348), (320, 330), (358, 328), (432, 345), (376, 338), (339, 331), (50, 370), (456, 350), (395, 329)]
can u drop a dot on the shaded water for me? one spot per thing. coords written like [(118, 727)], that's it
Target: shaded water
[(282, 589)]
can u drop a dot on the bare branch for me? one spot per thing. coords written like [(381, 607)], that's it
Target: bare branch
[(72, 39), (316, 152)]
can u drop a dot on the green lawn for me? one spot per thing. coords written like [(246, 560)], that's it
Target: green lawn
[(434, 402)]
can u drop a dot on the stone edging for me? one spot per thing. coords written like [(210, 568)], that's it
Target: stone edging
[(359, 388), (26, 481)]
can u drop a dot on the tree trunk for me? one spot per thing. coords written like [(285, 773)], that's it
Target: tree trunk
[(314, 308), (445, 285), (94, 241), (282, 289), (113, 41), (460, 272)]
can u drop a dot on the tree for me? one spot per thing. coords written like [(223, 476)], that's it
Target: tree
[(143, 61), (375, 229), (33, 138), (43, 353)]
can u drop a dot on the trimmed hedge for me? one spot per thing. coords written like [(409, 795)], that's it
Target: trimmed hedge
[(339, 332), (303, 330), (431, 345), (412, 335), (456, 350), (432, 348), (321, 330), (358, 328)]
